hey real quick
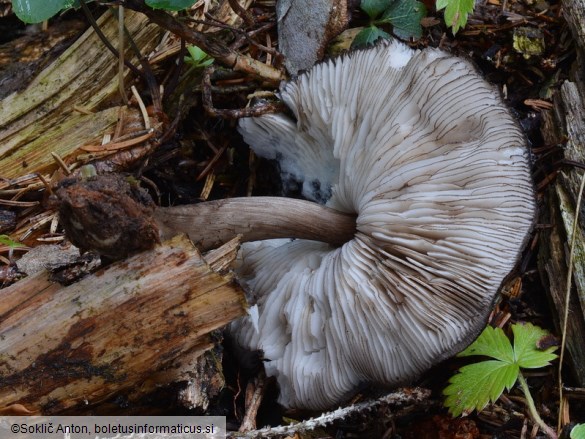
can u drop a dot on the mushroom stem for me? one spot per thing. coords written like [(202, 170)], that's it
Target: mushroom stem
[(213, 223)]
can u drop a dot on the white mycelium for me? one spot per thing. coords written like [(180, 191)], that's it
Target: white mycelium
[(421, 148)]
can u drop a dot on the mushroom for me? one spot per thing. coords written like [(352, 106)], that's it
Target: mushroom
[(423, 151), (422, 200)]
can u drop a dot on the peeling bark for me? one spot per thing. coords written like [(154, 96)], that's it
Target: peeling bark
[(565, 124)]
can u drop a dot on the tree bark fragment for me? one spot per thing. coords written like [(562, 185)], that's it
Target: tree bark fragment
[(566, 124), (127, 328)]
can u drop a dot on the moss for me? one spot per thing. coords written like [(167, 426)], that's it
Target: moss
[(528, 41)]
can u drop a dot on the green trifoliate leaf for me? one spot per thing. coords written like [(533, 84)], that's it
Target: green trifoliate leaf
[(35, 11), (526, 352), (492, 342), (405, 17), (578, 432), (478, 384), (374, 7), (456, 12), (170, 5), (369, 35)]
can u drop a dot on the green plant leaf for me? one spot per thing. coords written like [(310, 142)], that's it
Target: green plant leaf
[(405, 17), (477, 384), (578, 432), (492, 342), (456, 12), (35, 11), (374, 7), (170, 5), (197, 57), (196, 53), (6, 240), (369, 35), (526, 352), (77, 5)]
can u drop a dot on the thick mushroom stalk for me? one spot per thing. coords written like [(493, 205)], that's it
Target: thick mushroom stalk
[(115, 217), (213, 223), (422, 150)]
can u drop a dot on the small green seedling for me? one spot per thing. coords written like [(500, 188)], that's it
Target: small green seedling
[(403, 15), (480, 383), (11, 244), (578, 432), (7, 241), (198, 58), (456, 12)]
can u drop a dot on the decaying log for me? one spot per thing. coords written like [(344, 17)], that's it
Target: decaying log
[(42, 119), (129, 327), (566, 122)]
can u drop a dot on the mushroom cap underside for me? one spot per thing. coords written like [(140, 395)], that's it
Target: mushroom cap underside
[(422, 149)]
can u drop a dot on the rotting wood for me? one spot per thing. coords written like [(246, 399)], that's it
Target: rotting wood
[(41, 118), (566, 122), (122, 329), (25, 56), (574, 13)]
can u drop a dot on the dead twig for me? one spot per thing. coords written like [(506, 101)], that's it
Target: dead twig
[(212, 162), (244, 14), (104, 39), (137, 138), (399, 398), (241, 35), (257, 110), (254, 394)]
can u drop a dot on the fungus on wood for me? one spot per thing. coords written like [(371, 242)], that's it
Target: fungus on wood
[(425, 174)]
